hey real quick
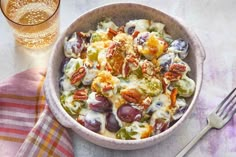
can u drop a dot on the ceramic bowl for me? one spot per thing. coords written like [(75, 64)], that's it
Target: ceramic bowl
[(120, 14)]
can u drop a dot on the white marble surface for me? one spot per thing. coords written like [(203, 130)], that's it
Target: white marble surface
[(212, 20)]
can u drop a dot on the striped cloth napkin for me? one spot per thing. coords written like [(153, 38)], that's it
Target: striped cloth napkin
[(27, 126)]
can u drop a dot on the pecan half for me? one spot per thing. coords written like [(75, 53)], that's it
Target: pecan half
[(131, 95), (175, 72), (172, 76), (81, 94), (112, 33), (78, 75), (178, 68)]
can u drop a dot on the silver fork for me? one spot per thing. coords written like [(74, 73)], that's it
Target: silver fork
[(217, 119)]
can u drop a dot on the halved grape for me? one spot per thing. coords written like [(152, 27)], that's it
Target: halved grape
[(111, 123), (99, 103), (73, 45), (180, 47), (142, 38), (128, 114), (160, 121), (131, 30), (165, 61), (92, 125), (160, 125)]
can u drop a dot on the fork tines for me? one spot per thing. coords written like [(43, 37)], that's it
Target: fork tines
[(228, 106)]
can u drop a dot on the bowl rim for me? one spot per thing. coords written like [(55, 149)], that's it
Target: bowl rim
[(53, 98)]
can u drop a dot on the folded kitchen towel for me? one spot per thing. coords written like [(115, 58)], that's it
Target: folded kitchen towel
[(27, 126)]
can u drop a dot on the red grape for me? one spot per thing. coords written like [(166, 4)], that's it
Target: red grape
[(128, 114), (92, 125), (111, 123), (160, 125), (100, 104)]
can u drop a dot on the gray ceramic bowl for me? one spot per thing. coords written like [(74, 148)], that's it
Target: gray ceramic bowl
[(121, 13)]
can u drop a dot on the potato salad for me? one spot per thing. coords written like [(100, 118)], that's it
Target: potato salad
[(126, 82)]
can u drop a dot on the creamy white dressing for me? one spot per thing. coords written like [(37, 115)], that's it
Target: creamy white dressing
[(114, 111), (158, 102), (90, 75), (180, 102), (66, 84), (92, 98), (84, 111), (102, 59), (131, 82)]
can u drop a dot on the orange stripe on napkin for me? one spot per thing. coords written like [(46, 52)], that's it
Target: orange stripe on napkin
[(11, 139), (37, 109), (20, 97)]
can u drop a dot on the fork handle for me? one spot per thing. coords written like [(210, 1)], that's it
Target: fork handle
[(194, 141)]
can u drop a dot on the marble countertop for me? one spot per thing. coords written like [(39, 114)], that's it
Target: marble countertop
[(214, 23)]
